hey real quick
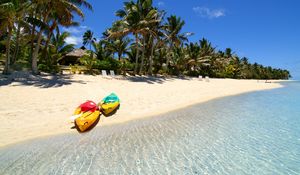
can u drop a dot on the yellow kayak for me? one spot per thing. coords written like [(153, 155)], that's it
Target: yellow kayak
[(87, 119), (110, 104), (86, 115)]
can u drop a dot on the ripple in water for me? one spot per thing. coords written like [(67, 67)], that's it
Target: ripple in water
[(256, 133)]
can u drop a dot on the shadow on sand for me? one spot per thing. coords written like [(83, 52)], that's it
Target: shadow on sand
[(42, 81), (154, 79), (46, 80)]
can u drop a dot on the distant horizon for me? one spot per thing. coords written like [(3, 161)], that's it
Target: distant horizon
[(256, 30)]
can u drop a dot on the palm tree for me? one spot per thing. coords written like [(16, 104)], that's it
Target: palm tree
[(157, 44), (58, 47), (173, 28), (135, 21), (206, 48), (102, 49), (20, 23), (61, 8), (9, 14), (192, 55), (88, 38), (53, 25), (245, 68), (228, 53), (173, 33), (120, 46), (152, 16), (178, 60), (236, 64), (195, 58)]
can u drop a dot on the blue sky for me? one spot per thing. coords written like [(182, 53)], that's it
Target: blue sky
[(265, 31)]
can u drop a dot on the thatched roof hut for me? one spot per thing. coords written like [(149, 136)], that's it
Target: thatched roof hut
[(73, 57)]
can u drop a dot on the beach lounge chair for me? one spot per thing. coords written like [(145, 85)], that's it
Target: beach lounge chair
[(206, 79), (104, 74), (112, 73), (200, 78)]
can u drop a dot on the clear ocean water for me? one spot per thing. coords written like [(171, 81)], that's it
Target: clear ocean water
[(254, 133)]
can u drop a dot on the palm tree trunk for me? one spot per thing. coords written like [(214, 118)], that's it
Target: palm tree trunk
[(36, 52), (169, 57), (16, 53), (119, 56), (7, 62), (45, 51), (151, 58), (143, 56), (37, 47), (32, 36), (137, 54), (32, 41), (92, 53), (51, 29)]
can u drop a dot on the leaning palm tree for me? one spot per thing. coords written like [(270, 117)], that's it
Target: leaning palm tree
[(61, 8), (52, 25)]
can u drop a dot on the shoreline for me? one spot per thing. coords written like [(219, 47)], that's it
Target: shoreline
[(147, 98)]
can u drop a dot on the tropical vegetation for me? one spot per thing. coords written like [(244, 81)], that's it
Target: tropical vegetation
[(144, 41)]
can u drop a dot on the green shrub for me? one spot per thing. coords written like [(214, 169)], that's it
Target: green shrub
[(193, 73), (128, 66), (21, 65), (77, 69), (44, 68), (107, 64), (88, 62), (53, 69)]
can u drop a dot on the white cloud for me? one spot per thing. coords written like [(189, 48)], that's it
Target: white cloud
[(76, 34), (84, 27), (161, 3), (75, 30), (73, 40), (209, 13)]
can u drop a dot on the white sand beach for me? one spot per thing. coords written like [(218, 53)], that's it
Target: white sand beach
[(43, 106)]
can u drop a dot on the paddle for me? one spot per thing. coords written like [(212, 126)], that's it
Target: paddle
[(74, 117)]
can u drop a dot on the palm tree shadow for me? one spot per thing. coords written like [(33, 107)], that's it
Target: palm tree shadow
[(90, 128), (155, 79), (146, 79), (41, 81)]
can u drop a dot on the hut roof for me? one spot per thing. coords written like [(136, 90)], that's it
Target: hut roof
[(77, 53)]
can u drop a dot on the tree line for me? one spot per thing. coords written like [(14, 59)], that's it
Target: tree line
[(144, 41)]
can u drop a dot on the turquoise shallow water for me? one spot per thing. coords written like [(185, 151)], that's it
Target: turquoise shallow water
[(255, 133)]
